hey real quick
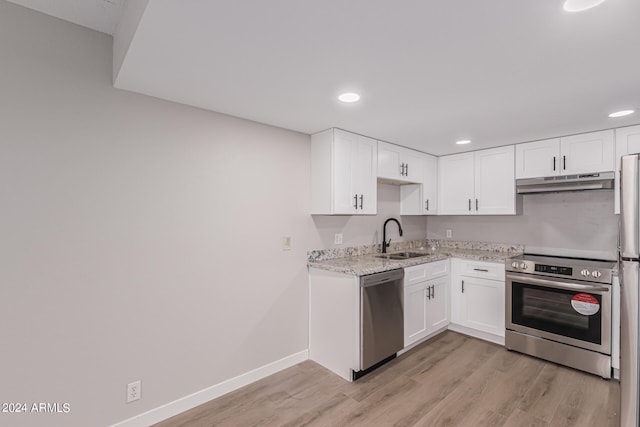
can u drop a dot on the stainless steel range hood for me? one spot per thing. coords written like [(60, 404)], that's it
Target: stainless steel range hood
[(555, 184)]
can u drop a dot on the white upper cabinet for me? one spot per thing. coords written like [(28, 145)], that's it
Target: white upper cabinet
[(343, 174), (480, 182), (536, 159), (421, 199), (495, 191), (627, 142), (430, 186), (577, 154), (587, 153), (455, 184), (399, 164)]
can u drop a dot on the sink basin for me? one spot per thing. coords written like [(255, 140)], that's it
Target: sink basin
[(401, 255)]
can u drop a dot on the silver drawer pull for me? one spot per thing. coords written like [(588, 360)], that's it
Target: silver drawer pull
[(481, 269)]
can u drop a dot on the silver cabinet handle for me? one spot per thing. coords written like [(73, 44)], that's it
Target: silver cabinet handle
[(361, 201), (427, 204), (406, 170), (428, 292), (433, 291), (554, 163), (476, 204), (355, 200), (564, 163), (469, 205), (463, 286), (481, 269)]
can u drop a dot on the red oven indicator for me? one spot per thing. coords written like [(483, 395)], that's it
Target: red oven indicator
[(585, 304)]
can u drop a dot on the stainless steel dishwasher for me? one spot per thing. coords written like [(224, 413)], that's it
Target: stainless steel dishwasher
[(381, 319)]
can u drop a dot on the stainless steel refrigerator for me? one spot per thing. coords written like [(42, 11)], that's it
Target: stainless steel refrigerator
[(629, 283)]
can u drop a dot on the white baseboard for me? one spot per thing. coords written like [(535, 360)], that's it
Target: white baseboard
[(477, 334), (198, 398)]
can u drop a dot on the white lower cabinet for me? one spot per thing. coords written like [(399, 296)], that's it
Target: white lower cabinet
[(334, 321), (415, 313), (478, 299), (426, 305)]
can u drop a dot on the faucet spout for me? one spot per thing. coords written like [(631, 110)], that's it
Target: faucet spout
[(386, 244)]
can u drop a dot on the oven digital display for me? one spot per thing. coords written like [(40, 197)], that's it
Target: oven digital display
[(566, 271)]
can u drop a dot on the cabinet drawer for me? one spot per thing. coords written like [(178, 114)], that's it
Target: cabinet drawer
[(422, 272), (483, 270)]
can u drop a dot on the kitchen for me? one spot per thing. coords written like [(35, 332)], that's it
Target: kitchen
[(102, 178)]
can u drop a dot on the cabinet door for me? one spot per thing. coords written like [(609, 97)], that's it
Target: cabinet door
[(587, 153), (354, 174), (411, 199), (421, 199), (389, 163), (483, 304), (344, 156), (627, 142), (495, 184), (538, 159), (455, 184), (455, 291), (437, 304), (413, 165), (399, 163), (415, 313), (430, 186), (364, 175)]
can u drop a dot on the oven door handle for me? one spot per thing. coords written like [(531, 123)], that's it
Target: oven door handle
[(557, 285)]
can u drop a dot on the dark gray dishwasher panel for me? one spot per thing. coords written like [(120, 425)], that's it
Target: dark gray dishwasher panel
[(381, 316)]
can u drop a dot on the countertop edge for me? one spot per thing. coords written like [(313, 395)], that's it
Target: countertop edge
[(369, 264)]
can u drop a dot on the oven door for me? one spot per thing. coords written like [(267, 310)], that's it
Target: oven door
[(568, 311)]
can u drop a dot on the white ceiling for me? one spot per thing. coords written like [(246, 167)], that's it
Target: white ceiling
[(429, 71), (99, 15)]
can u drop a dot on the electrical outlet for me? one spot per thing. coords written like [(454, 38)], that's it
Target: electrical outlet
[(337, 239), (286, 243), (449, 234), (133, 391)]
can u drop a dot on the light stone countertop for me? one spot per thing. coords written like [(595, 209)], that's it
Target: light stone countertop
[(369, 264)]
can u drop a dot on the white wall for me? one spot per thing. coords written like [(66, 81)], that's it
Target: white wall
[(139, 239), (581, 222)]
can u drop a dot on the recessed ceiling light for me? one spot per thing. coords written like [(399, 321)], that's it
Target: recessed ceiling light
[(580, 5), (463, 141), (621, 113), (349, 97)]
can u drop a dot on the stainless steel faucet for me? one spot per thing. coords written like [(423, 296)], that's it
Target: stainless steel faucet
[(386, 244)]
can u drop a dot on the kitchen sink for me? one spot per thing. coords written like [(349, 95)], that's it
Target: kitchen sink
[(401, 255)]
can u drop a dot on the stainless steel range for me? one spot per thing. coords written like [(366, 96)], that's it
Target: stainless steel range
[(559, 309)]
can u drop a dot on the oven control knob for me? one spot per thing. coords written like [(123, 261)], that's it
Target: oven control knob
[(523, 266), (596, 273), (514, 264), (585, 273)]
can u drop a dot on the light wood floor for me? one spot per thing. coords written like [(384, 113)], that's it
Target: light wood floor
[(451, 380)]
